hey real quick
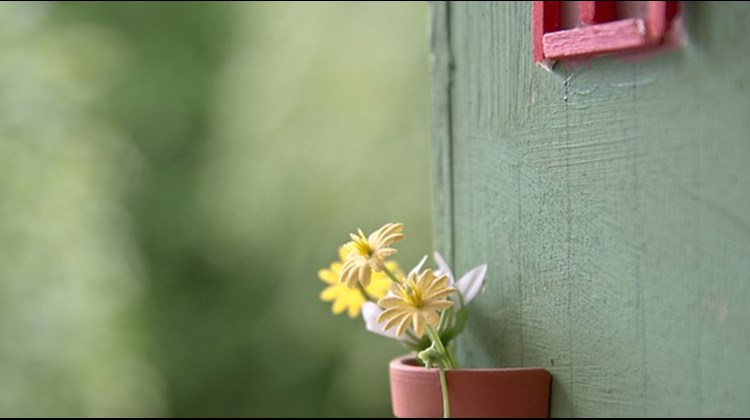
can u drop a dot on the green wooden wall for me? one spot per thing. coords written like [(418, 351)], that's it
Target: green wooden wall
[(612, 204)]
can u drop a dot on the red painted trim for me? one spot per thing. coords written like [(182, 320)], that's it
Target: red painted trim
[(597, 31), (656, 19), (537, 29), (597, 39), (660, 16), (673, 9), (545, 19), (592, 12)]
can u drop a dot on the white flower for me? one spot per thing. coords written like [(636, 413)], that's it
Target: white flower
[(470, 284)]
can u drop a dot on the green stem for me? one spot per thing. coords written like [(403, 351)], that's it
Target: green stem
[(445, 318), (364, 292), (445, 358), (451, 358), (444, 390), (439, 344), (390, 274)]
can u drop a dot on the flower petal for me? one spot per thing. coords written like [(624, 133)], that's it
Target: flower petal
[(348, 273), (376, 263), (339, 306), (343, 252), (364, 275), (389, 233), (329, 293), (370, 312), (401, 329), (383, 253), (418, 267), (438, 284), (471, 283), (355, 302), (391, 317), (441, 304), (390, 302), (439, 294), (328, 276), (379, 285), (417, 324), (432, 318), (443, 268)]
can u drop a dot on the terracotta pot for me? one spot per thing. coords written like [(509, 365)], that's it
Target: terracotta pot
[(511, 392)]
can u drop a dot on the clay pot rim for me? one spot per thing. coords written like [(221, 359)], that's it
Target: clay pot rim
[(401, 364)]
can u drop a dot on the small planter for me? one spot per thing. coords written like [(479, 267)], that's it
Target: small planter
[(511, 392)]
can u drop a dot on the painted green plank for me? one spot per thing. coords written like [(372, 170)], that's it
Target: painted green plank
[(611, 202), (440, 66)]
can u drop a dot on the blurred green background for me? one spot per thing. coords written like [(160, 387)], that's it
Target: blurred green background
[(172, 177)]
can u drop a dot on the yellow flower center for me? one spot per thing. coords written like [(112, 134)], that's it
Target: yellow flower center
[(412, 294), (361, 246)]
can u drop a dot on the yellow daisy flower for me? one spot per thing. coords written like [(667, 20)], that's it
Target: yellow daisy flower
[(368, 254), (416, 301), (352, 299)]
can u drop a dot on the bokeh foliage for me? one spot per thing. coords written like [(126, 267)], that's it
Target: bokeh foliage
[(172, 176)]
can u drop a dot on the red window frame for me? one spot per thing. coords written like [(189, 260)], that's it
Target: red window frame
[(600, 33)]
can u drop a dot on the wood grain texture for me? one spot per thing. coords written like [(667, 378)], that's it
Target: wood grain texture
[(612, 204)]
